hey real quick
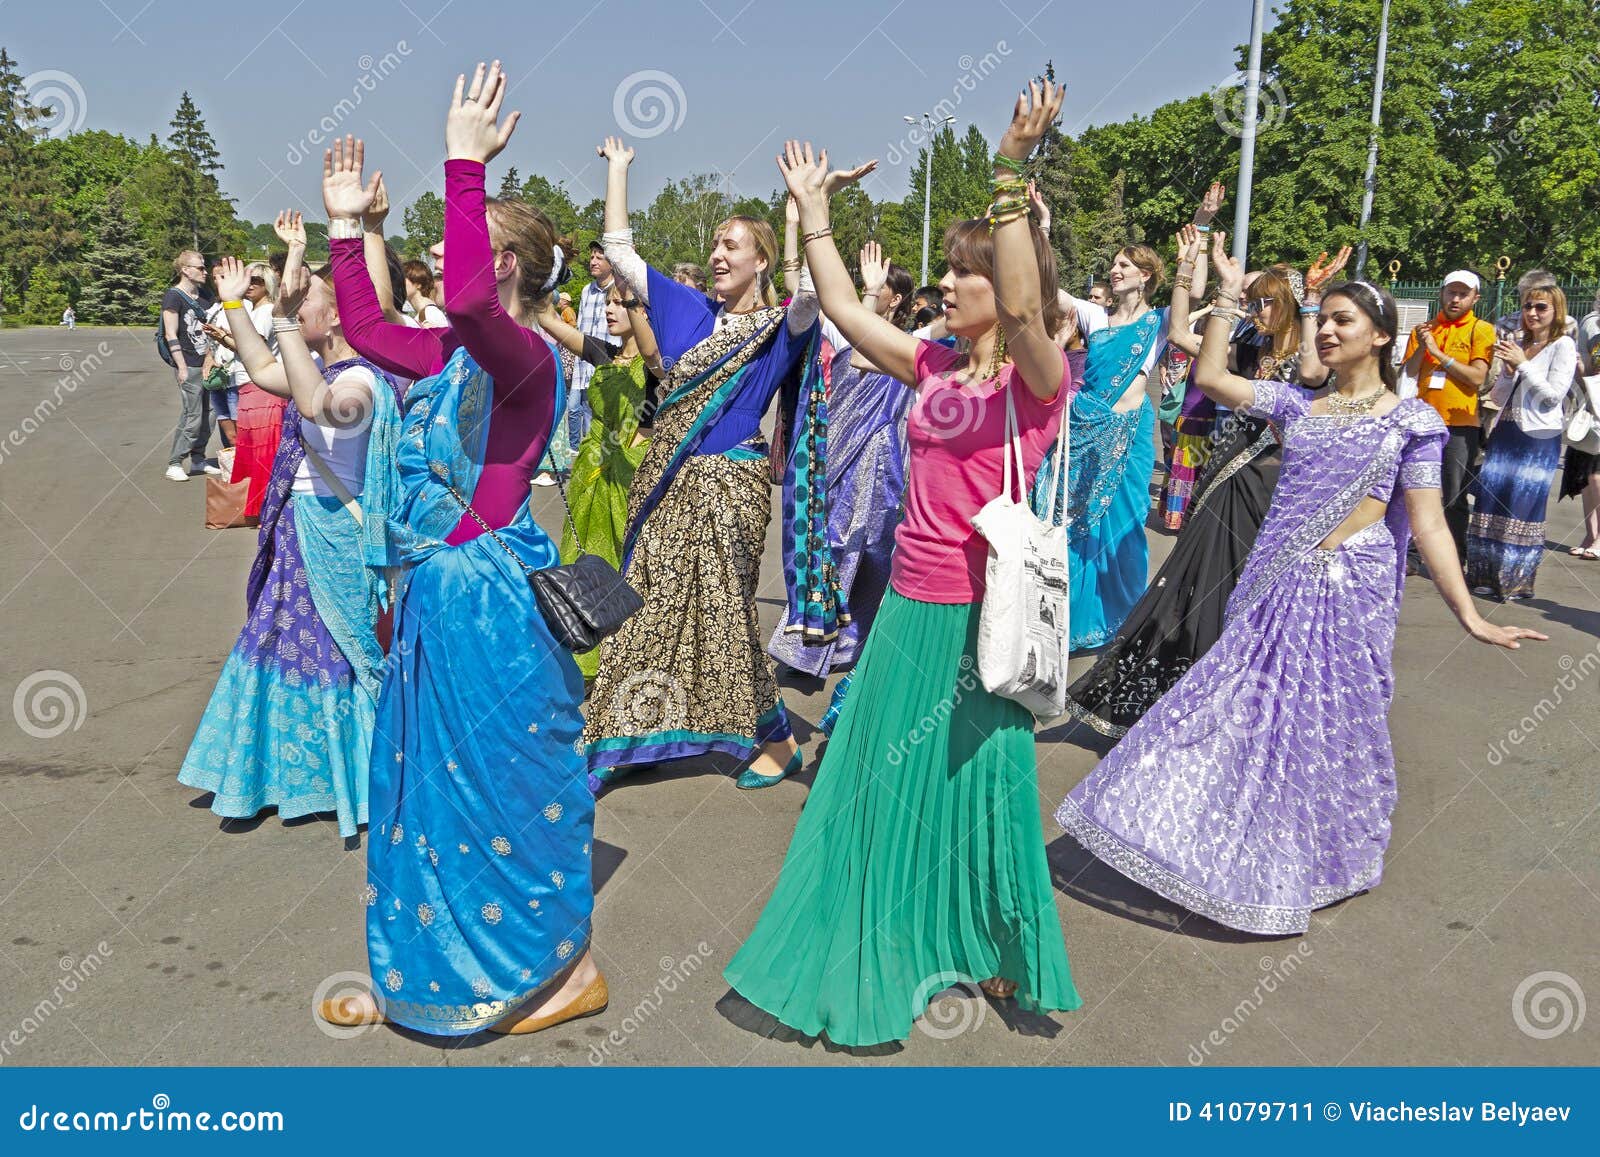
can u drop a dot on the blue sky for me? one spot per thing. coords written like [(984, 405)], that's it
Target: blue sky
[(695, 85)]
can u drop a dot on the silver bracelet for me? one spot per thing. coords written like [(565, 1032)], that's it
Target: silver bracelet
[(344, 229), (285, 325)]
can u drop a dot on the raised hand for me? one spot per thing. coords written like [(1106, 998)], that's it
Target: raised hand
[(1230, 274), (343, 194), (804, 172), (372, 219), (839, 178), (1036, 110), (290, 226), (231, 279), (1189, 244), (472, 129), (1041, 210), (791, 211), (292, 289), (1210, 203), (614, 151), (874, 267), (1318, 276)]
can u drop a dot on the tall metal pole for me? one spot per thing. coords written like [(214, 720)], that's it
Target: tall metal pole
[(927, 199), (1247, 137), (1371, 183)]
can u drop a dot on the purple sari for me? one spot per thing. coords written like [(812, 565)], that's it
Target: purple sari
[(1260, 786), (866, 476)]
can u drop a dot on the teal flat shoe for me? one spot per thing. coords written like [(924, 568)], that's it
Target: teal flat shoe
[(750, 779)]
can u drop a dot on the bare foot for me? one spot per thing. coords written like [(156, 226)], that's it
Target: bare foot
[(999, 987), (579, 977), (774, 757)]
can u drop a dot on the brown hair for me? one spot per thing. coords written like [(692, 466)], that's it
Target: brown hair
[(969, 248), (524, 230), (766, 243), (419, 272), (695, 274), (1558, 310), (1285, 332), (1148, 262), (899, 281)]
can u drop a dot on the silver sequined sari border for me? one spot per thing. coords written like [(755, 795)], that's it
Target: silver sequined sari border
[(1083, 715), (1258, 919)]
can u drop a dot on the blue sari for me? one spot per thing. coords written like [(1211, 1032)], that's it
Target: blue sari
[(289, 724), (1108, 479), (478, 867)]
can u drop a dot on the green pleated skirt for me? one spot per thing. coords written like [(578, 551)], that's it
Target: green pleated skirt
[(919, 860)]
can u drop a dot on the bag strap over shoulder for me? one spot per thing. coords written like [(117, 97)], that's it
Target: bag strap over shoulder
[(332, 482)]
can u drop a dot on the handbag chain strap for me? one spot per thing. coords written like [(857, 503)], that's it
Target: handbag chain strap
[(465, 505)]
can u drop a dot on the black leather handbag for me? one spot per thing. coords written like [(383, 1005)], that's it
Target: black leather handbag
[(583, 601)]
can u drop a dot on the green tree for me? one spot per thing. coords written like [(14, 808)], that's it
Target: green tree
[(198, 163), (33, 227), (116, 289), (424, 222), (510, 184), (47, 297)]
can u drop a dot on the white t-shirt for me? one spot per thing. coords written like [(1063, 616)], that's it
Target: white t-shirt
[(261, 319), (344, 450)]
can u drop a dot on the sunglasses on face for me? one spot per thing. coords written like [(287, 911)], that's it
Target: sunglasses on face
[(1258, 304), (1537, 306), (255, 281)]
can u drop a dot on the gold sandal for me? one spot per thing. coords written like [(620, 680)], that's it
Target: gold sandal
[(590, 1001)]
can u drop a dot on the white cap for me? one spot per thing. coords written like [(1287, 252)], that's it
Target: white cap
[(1462, 277)]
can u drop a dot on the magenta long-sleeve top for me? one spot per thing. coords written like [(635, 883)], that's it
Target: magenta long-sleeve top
[(519, 359)]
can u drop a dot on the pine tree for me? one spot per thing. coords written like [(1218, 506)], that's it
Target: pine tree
[(116, 292), (191, 146), (510, 185), (33, 228)]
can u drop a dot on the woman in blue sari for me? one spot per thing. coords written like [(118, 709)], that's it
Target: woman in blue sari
[(290, 722), (689, 674), (479, 894), (1112, 456)]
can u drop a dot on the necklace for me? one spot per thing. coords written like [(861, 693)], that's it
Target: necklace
[(1350, 407)]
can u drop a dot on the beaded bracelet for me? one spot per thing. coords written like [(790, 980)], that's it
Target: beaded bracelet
[(1007, 204), (1011, 163), (1008, 184), (1006, 218)]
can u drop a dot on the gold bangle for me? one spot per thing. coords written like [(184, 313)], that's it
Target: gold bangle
[(815, 234)]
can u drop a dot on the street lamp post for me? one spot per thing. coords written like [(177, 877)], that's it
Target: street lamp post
[(927, 183), (1371, 182), (1247, 138)]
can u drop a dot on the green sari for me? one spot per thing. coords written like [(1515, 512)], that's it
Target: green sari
[(602, 472)]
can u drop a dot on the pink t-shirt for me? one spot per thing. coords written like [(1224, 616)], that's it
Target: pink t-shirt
[(957, 433)]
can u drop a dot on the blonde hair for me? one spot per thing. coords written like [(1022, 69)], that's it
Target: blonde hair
[(766, 243), (268, 275), (1558, 310), (181, 259), (524, 230)]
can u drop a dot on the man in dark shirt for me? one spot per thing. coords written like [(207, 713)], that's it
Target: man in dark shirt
[(183, 329)]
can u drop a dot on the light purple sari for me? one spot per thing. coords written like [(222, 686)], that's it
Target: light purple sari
[(1260, 786)]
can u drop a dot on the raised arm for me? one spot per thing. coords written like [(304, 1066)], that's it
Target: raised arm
[(1191, 269), (1018, 293), (400, 349), (878, 340), (376, 253), (618, 240), (570, 338), (250, 347), (512, 354), (1210, 371), (1312, 372)]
